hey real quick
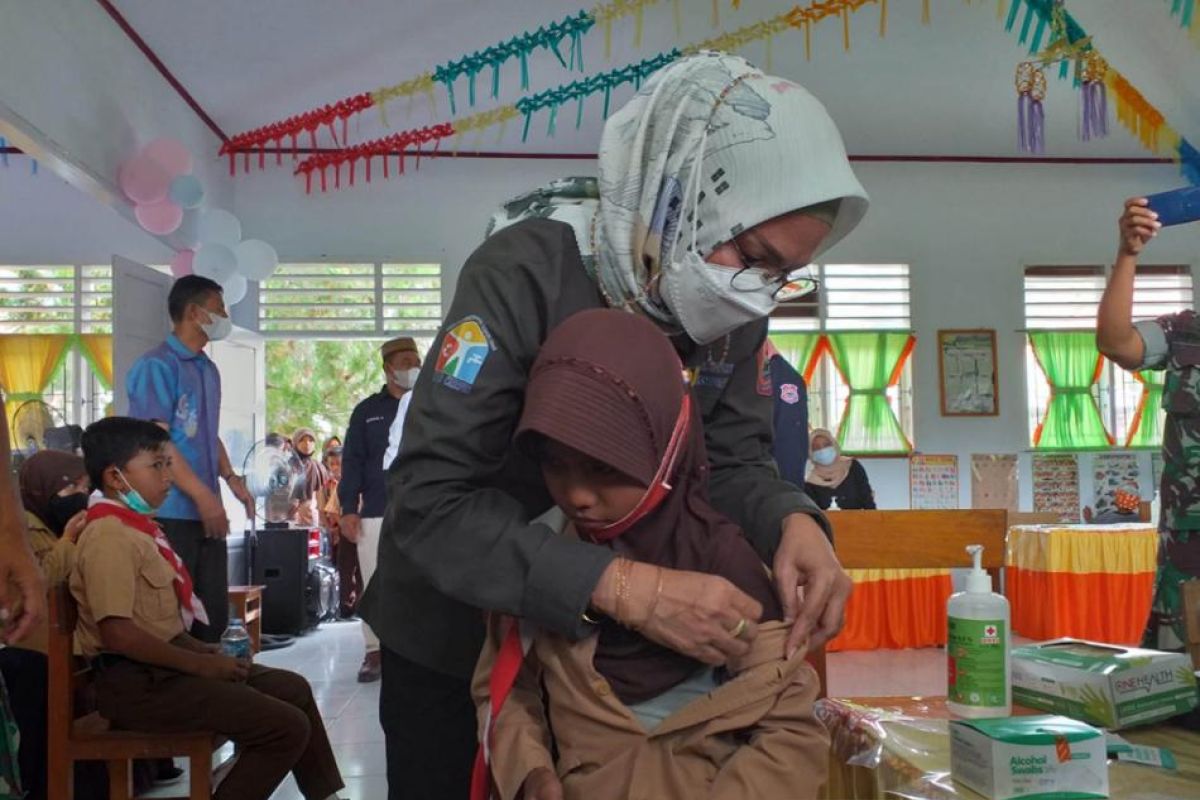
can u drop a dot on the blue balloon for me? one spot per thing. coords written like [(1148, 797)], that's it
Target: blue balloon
[(186, 191)]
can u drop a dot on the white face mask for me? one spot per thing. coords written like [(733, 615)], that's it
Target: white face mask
[(406, 378), (702, 298), (217, 328), (825, 456), (701, 295)]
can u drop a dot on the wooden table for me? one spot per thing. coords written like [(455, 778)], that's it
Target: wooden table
[(1090, 582), (247, 606), (888, 747)]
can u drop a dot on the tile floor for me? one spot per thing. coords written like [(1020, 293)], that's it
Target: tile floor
[(330, 658)]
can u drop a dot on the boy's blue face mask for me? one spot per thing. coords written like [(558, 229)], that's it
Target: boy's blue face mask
[(133, 498)]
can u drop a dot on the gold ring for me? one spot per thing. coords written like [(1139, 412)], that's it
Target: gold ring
[(737, 630)]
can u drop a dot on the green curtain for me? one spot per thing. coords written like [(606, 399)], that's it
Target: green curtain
[(1148, 424), (870, 362), (1071, 364), (798, 349)]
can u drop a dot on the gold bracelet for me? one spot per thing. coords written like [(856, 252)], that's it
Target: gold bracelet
[(624, 566), (654, 602)]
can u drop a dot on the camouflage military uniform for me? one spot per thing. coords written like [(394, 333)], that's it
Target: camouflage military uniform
[(1173, 343)]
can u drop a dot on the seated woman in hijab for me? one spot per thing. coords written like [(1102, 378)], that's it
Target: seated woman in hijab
[(834, 478), (622, 453), (54, 491)]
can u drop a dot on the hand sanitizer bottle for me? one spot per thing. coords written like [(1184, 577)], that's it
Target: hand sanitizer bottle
[(979, 678)]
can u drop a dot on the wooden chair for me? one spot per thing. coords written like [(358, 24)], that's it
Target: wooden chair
[(247, 606), (905, 539), (89, 738)]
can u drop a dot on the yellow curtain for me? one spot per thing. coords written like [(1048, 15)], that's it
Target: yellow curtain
[(27, 364), (97, 349)]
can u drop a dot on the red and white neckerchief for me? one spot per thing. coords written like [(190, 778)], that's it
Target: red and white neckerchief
[(517, 635), (190, 607)]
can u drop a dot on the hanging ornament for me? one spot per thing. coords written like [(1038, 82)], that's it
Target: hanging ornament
[(1031, 118), (1093, 96)]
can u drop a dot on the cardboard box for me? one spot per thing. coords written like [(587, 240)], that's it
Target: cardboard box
[(1191, 616), (1029, 757), (1107, 685)]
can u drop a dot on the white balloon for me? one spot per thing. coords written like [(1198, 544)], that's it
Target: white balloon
[(215, 262), (217, 226), (235, 290), (257, 260)]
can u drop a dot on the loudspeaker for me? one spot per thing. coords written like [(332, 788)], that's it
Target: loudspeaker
[(281, 564)]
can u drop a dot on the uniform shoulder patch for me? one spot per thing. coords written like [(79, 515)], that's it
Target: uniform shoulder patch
[(789, 393), (465, 348), (764, 370)]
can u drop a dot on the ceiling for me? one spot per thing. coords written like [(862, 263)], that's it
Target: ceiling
[(940, 89)]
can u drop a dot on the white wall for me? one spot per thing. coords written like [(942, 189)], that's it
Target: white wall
[(71, 73), (968, 231)]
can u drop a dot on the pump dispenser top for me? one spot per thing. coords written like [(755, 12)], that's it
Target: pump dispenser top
[(978, 581)]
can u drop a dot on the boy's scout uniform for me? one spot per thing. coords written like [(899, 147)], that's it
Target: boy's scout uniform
[(272, 717)]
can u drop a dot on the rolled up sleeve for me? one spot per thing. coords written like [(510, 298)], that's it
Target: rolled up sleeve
[(1155, 348)]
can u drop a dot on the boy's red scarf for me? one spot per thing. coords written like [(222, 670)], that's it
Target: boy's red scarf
[(190, 607)]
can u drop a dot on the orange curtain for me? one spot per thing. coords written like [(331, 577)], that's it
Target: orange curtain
[(1088, 583), (895, 609)]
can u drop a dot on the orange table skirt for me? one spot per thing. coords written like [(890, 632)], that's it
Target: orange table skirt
[(1087, 582), (1102, 607), (893, 609)]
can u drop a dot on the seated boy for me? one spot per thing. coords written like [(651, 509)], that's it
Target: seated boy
[(135, 604)]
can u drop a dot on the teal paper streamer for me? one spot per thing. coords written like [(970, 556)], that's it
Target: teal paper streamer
[(1189, 8), (1012, 15), (578, 90), (546, 37), (1038, 33), (1024, 37)]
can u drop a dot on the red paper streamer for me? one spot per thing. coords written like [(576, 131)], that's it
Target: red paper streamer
[(291, 128), (384, 148)]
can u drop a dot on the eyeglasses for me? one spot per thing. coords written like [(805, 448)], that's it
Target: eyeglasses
[(791, 283)]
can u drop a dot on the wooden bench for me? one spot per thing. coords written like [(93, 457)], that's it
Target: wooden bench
[(247, 606), (904, 539), (89, 738)]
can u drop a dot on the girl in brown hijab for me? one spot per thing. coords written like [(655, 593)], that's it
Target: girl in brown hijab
[(622, 452)]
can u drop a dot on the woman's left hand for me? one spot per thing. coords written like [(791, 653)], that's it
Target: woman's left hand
[(805, 560), (75, 526)]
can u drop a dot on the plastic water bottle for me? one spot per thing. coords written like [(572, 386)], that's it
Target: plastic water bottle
[(235, 641)]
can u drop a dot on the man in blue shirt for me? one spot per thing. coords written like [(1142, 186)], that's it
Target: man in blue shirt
[(177, 386)]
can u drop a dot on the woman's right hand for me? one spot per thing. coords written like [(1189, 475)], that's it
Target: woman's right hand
[(542, 784), (694, 614), (1138, 226)]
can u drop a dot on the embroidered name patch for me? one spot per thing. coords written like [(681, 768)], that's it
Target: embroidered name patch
[(465, 348)]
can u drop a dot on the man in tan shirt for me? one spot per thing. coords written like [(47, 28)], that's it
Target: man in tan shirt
[(135, 605)]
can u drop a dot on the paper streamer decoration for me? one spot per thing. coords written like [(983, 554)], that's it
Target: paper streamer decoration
[(933, 481), (1056, 485), (1133, 110), (604, 83), (994, 481), (520, 47), (1186, 11), (384, 149), (574, 27), (291, 128)]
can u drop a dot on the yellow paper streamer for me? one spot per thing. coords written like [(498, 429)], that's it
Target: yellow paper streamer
[(882, 18), (924, 12), (422, 84), (486, 119), (606, 14)]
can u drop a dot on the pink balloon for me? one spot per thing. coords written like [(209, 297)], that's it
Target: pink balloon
[(171, 155), (181, 264), (159, 218), (144, 180)]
